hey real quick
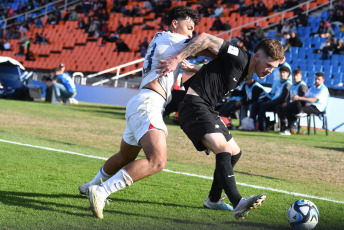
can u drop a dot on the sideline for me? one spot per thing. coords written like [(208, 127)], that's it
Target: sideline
[(181, 173)]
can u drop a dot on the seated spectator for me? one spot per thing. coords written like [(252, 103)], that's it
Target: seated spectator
[(339, 47), (81, 24), (73, 16), (227, 26), (255, 95), (143, 46), (218, 11), (217, 24), (316, 98), (327, 48), (38, 23), (281, 96), (294, 40), (261, 9), (288, 110), (285, 41), (120, 28), (293, 28), (64, 87), (328, 30), (258, 34), (128, 28), (121, 46), (286, 27), (276, 7), (52, 20), (92, 28)]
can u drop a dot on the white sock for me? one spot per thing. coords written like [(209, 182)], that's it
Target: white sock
[(101, 176), (117, 182)]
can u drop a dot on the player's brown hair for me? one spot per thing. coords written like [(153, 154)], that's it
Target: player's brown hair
[(297, 71), (272, 48)]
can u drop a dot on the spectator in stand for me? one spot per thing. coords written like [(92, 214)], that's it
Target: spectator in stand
[(285, 41), (294, 40), (143, 46), (281, 96), (258, 34), (288, 110), (255, 96), (120, 28), (218, 11), (276, 7), (81, 24), (217, 24), (38, 23), (261, 9), (40, 39), (92, 28), (128, 28), (328, 47), (316, 98), (339, 48), (251, 9), (121, 46), (113, 38), (328, 30), (286, 27), (28, 54), (51, 19), (227, 26), (293, 28), (73, 16)]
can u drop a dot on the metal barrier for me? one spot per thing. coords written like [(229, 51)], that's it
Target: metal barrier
[(67, 3)]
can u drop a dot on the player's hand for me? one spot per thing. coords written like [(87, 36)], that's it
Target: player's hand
[(295, 98), (284, 104), (186, 66), (167, 66)]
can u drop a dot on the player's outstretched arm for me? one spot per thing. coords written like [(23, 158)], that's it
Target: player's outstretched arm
[(204, 42)]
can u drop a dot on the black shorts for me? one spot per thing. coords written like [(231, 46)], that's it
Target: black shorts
[(196, 119)]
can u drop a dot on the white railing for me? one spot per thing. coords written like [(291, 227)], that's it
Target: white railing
[(117, 68), (66, 4)]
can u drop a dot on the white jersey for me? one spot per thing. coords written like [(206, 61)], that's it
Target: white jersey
[(164, 45)]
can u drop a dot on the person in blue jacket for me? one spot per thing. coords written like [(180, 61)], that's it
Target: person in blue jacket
[(64, 87)]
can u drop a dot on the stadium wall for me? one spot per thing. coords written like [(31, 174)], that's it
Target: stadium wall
[(120, 96)]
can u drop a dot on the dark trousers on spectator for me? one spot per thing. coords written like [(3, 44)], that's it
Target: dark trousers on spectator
[(268, 106), (288, 113)]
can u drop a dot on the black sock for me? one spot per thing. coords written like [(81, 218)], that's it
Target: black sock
[(235, 159), (226, 177), (216, 189)]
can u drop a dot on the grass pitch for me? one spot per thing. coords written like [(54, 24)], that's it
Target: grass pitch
[(38, 187)]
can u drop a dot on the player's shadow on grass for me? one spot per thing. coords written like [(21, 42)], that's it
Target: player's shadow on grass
[(262, 176), (331, 148), (34, 201)]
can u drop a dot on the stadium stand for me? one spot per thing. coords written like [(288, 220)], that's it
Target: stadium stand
[(68, 44)]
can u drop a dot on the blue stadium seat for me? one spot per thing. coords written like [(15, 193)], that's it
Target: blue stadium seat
[(310, 81), (337, 79)]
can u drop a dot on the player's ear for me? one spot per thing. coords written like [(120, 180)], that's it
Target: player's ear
[(174, 23), (257, 57)]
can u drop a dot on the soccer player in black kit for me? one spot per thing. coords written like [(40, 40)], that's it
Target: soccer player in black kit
[(197, 116)]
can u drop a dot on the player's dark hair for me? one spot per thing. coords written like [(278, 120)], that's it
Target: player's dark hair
[(319, 74), (285, 69), (297, 71), (271, 47), (181, 13)]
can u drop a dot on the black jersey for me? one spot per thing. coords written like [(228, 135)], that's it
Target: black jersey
[(222, 75)]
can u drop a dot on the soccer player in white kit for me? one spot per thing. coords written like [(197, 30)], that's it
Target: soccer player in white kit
[(145, 128)]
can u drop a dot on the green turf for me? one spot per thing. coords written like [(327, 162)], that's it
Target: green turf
[(38, 188)]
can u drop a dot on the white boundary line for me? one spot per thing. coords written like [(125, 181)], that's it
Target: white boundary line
[(181, 173)]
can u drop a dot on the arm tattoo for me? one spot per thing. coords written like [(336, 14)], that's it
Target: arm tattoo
[(210, 42)]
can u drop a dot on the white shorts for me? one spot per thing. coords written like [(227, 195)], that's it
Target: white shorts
[(143, 113)]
